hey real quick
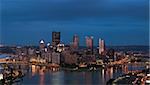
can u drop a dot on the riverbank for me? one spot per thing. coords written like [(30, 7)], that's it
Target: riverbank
[(132, 78), (10, 76)]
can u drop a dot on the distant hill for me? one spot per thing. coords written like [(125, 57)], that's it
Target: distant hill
[(131, 48), (127, 48)]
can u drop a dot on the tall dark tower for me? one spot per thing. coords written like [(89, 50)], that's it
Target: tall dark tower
[(55, 38)]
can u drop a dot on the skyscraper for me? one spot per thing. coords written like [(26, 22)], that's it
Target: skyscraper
[(49, 47), (101, 46), (89, 42), (111, 54), (55, 38), (42, 45), (55, 58), (75, 41)]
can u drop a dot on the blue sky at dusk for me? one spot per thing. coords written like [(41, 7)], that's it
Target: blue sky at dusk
[(118, 22)]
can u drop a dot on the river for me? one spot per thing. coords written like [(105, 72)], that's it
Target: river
[(36, 75)]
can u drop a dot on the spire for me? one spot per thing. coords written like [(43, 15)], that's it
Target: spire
[(41, 41)]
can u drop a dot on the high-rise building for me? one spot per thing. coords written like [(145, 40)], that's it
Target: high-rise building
[(55, 38), (42, 45), (75, 41), (101, 46), (49, 47), (56, 58), (89, 42), (111, 54), (69, 57), (48, 44), (60, 47), (31, 51)]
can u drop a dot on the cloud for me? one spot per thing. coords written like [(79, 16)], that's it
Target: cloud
[(70, 9), (83, 17)]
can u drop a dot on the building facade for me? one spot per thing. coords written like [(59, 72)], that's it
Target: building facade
[(55, 38), (101, 46), (75, 42), (42, 45), (89, 42)]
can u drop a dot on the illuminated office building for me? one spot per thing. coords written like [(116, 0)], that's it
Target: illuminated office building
[(75, 41), (89, 42), (101, 46)]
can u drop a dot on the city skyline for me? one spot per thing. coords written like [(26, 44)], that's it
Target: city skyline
[(122, 22), (95, 42), (81, 42)]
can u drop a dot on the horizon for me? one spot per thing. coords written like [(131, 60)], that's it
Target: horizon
[(22, 45), (124, 22)]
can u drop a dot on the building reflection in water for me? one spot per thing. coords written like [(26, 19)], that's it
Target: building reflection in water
[(125, 69), (103, 76), (57, 78), (42, 75), (66, 77), (82, 76), (109, 73), (88, 79), (33, 69)]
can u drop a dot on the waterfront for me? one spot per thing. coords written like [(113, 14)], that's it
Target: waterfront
[(75, 42), (41, 75), (75, 67)]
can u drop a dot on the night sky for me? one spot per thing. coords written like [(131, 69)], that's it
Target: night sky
[(118, 22)]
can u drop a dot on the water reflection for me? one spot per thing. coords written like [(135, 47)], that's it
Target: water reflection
[(88, 79), (33, 69), (103, 76), (57, 78), (43, 75)]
